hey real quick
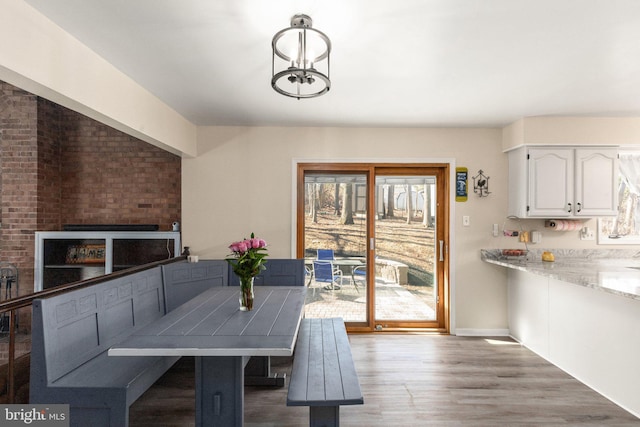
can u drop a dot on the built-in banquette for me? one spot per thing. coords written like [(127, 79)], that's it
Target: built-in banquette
[(71, 333)]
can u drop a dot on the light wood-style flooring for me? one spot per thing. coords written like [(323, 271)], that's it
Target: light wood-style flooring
[(415, 380)]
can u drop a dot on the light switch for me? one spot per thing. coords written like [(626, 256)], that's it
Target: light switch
[(466, 221)]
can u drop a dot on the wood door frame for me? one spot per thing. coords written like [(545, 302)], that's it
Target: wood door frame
[(444, 212)]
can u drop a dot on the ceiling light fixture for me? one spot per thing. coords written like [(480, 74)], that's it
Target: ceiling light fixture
[(299, 55)]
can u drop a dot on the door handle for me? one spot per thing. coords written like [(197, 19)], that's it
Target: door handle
[(441, 250)]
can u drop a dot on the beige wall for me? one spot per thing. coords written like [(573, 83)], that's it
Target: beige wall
[(623, 131), (241, 181)]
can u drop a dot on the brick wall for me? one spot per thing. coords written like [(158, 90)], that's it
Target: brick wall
[(49, 178), (58, 167), (18, 196), (19, 169), (111, 177)]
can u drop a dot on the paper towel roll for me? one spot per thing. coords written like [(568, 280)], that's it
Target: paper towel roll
[(564, 224)]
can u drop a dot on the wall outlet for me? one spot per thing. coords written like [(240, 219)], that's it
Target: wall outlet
[(587, 233), (536, 236)]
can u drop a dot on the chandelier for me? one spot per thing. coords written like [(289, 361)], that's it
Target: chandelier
[(300, 60)]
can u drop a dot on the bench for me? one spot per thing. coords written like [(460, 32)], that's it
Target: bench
[(323, 375), (186, 280), (71, 334)]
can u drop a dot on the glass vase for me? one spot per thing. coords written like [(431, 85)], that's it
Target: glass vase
[(246, 294)]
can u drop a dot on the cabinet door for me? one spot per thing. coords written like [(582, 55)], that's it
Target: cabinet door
[(551, 182), (596, 191)]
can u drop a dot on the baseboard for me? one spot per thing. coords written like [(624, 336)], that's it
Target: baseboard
[(471, 332)]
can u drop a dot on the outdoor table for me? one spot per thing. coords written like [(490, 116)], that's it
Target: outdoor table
[(222, 338)]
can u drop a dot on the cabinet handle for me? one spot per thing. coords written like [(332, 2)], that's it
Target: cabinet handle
[(441, 250), (569, 210), (579, 207)]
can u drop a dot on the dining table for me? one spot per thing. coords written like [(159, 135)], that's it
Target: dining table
[(222, 338)]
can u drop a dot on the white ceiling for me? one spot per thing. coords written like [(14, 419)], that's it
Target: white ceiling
[(394, 62)]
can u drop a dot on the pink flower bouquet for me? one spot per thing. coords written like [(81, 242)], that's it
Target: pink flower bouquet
[(248, 257), (247, 260)]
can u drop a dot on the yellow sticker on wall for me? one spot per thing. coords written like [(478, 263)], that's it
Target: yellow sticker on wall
[(461, 184)]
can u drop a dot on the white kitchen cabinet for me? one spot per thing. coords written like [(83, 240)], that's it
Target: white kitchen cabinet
[(563, 182), (551, 181), (596, 189)]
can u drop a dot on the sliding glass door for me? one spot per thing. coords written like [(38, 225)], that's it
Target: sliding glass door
[(374, 240), (407, 273), (335, 244)]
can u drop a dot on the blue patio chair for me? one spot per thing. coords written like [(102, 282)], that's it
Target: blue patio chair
[(326, 254), (325, 272)]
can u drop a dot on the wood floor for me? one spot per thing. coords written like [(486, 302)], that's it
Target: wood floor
[(416, 380)]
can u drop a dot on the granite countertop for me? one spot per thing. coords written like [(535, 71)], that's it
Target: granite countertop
[(615, 271)]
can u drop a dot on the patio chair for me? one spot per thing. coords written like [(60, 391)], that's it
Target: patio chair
[(325, 272), (326, 254), (359, 273)]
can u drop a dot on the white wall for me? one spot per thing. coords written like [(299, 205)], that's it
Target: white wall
[(241, 181)]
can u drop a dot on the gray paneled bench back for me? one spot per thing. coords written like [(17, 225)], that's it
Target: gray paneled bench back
[(71, 334), (277, 272), (184, 281)]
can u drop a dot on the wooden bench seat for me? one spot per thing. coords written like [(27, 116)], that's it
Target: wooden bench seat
[(323, 375), (71, 334)]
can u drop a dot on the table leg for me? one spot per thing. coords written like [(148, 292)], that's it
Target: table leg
[(220, 391), (258, 372)]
